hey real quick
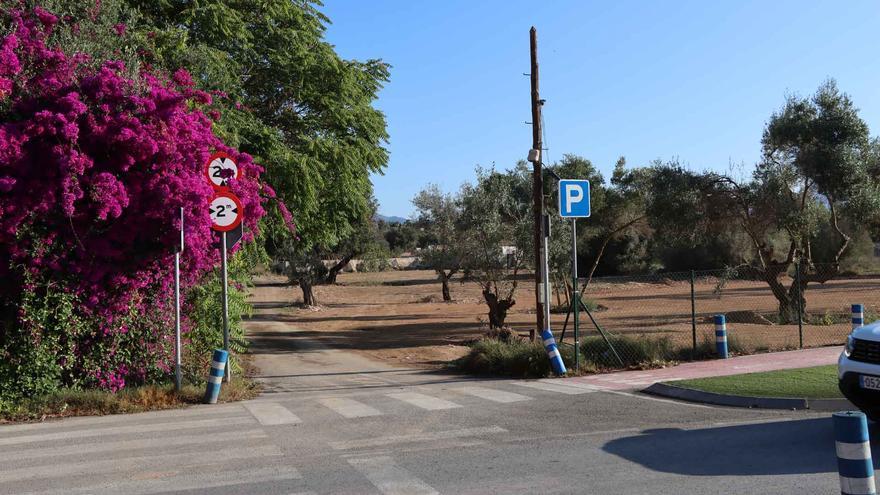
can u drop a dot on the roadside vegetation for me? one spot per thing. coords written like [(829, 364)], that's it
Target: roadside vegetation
[(517, 356), (110, 109), (818, 382)]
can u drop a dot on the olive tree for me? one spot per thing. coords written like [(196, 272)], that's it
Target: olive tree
[(492, 219), (439, 214), (818, 167)]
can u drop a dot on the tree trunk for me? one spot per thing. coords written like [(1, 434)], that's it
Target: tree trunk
[(308, 293), (788, 305), (335, 269), (444, 280), (497, 309)]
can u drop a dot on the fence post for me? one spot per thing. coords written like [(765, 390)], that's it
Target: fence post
[(721, 336), (854, 465), (858, 316), (215, 377), (800, 303), (693, 318)]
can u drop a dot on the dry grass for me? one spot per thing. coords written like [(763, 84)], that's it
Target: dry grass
[(72, 402)]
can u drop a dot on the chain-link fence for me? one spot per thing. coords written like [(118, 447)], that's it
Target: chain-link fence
[(670, 315)]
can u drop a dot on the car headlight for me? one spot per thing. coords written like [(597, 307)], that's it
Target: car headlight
[(850, 345)]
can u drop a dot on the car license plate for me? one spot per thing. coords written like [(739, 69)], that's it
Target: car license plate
[(870, 382)]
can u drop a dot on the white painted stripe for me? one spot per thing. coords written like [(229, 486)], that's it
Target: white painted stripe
[(417, 437), (128, 419), (147, 443), (554, 354), (853, 451), (390, 478), (139, 483), (271, 413), (218, 365), (215, 379), (424, 401), (549, 341), (349, 408), (493, 394), (553, 387), (720, 339), (123, 430), (130, 464), (857, 486), (572, 383)]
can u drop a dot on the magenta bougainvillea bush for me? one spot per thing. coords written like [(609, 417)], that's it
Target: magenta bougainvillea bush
[(95, 162)]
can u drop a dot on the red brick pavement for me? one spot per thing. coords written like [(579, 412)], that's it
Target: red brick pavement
[(633, 380)]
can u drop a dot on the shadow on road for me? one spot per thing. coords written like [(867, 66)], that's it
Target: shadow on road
[(785, 447)]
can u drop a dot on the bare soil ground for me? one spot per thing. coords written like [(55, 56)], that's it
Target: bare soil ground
[(398, 317)]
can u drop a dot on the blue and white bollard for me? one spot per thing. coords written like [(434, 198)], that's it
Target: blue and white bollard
[(721, 336), (858, 316), (553, 352), (853, 453), (215, 378)]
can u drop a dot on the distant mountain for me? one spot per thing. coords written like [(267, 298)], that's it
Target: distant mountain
[(391, 219)]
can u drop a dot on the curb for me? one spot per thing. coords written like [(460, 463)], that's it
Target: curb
[(691, 395)]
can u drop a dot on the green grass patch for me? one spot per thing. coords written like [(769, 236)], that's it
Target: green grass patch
[(819, 382), (75, 402)]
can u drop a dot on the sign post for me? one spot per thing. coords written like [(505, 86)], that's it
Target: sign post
[(226, 215), (177, 360), (574, 203)]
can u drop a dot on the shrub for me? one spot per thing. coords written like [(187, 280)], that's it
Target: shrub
[(516, 357), (95, 161)]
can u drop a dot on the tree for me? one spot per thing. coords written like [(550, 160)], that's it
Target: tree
[(440, 215), (491, 219), (284, 96), (816, 168), (363, 236), (303, 268)]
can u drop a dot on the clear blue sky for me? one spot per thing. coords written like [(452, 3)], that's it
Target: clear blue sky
[(695, 80)]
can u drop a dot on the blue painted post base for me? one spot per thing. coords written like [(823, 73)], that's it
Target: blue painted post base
[(215, 377), (553, 352), (853, 453)]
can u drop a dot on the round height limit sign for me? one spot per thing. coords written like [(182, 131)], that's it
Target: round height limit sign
[(226, 211)]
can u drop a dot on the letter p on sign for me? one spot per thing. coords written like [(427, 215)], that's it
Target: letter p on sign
[(574, 198)]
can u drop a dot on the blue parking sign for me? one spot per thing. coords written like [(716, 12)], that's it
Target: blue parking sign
[(574, 198)]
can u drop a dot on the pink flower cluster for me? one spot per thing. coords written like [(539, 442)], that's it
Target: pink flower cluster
[(94, 167)]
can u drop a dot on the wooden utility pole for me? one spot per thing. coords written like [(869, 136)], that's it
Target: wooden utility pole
[(537, 182)]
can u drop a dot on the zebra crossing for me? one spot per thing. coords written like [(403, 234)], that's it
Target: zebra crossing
[(190, 449)]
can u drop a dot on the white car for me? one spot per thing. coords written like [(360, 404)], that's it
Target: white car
[(858, 369)]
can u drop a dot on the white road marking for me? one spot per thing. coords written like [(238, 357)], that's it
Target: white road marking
[(120, 430), (272, 413), (571, 383), (147, 443), (199, 480), (493, 394), (424, 401), (553, 387), (131, 464), (349, 408), (390, 478), (199, 412), (417, 437)]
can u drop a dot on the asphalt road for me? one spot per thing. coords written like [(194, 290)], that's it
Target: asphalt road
[(334, 423)]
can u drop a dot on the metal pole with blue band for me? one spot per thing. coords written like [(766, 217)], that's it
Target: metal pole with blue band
[(721, 336), (553, 352), (858, 316), (853, 448), (215, 377)]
